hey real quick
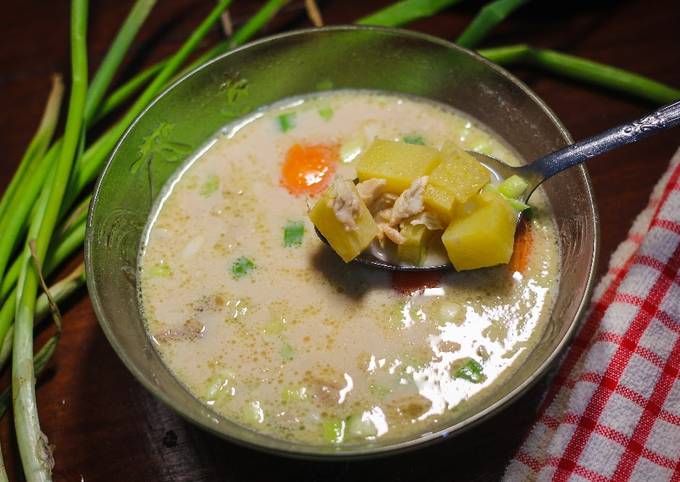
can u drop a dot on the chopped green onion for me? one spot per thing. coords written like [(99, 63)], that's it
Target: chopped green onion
[(287, 352), (326, 113), (350, 150), (294, 394), (333, 431), (160, 270), (471, 371), (414, 140), (513, 187), (361, 426), (286, 121), (241, 267), (253, 412), (293, 232), (518, 206), (210, 186)]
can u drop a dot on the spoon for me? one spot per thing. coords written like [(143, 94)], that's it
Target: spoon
[(547, 166)]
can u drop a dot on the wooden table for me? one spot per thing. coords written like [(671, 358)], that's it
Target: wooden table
[(105, 426)]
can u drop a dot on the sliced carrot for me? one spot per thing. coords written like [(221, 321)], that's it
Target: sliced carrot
[(412, 282), (524, 242), (308, 169)]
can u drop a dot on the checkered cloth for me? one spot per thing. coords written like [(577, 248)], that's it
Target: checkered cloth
[(613, 411)]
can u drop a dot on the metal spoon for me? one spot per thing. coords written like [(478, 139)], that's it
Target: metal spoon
[(547, 166)]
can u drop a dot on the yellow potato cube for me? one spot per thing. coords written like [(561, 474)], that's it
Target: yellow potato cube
[(398, 163), (439, 201), (483, 237), (459, 173), (414, 249), (347, 243)]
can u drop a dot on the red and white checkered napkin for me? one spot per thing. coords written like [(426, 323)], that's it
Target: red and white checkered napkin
[(613, 412)]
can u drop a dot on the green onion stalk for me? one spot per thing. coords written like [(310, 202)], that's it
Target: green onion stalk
[(12, 220), (18, 198), (405, 11), (488, 17), (35, 453), (584, 70), (59, 292)]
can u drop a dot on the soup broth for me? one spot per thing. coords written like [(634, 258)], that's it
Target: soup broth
[(267, 326)]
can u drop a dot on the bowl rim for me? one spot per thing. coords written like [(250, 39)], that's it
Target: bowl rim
[(280, 446)]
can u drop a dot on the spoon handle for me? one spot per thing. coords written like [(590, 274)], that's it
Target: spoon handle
[(663, 118)]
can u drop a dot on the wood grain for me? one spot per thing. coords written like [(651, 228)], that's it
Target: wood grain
[(106, 427)]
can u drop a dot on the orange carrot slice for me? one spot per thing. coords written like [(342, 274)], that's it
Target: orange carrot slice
[(524, 241), (308, 169)]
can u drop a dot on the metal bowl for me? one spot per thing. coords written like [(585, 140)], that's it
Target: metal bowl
[(195, 107)]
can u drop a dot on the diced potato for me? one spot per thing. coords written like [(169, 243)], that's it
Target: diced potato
[(398, 163), (483, 237), (347, 243), (414, 249), (459, 173), (440, 201)]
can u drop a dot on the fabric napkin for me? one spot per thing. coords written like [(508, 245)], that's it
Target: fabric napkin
[(613, 410)]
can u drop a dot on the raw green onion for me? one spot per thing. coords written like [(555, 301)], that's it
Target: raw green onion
[(61, 290), (293, 232), (488, 17), (400, 13), (241, 267), (286, 121), (584, 70), (92, 160), (17, 200), (120, 45), (35, 454), (256, 22)]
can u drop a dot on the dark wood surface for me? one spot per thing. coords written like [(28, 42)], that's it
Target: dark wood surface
[(105, 426)]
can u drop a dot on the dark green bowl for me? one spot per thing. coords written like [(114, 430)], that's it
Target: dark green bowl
[(194, 108)]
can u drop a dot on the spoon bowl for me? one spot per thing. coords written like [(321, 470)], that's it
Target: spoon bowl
[(547, 166)]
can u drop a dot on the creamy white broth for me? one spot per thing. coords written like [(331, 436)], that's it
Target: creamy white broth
[(302, 341)]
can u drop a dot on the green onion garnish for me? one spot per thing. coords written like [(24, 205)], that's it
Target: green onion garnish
[(471, 371), (293, 232), (414, 140), (286, 121), (326, 113), (241, 267)]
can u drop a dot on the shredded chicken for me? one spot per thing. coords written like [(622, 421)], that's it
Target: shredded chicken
[(370, 190), (410, 202), (392, 234), (384, 201), (383, 216), (429, 220), (346, 204)]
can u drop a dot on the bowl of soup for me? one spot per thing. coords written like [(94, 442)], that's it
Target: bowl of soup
[(209, 281)]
